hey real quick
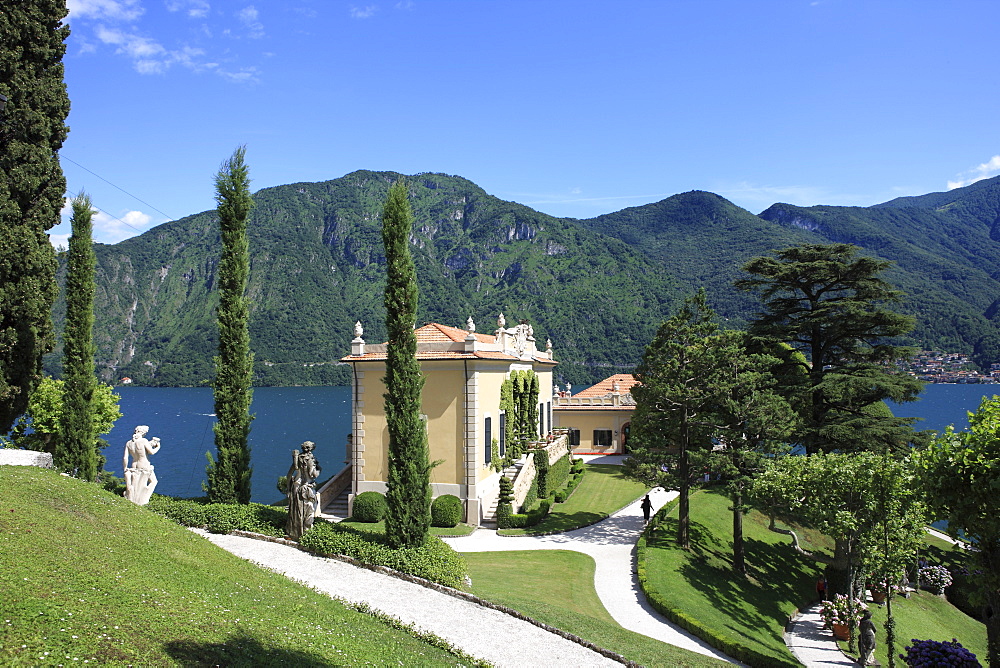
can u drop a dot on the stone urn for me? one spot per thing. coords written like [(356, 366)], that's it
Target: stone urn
[(841, 631)]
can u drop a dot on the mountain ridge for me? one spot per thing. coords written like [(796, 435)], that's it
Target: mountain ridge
[(598, 287)]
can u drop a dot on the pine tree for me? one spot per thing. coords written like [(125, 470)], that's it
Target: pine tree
[(831, 305), (229, 475), (408, 493), (76, 450), (32, 130)]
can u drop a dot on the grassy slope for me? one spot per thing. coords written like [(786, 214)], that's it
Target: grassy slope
[(602, 491), (86, 575), (700, 583), (557, 587)]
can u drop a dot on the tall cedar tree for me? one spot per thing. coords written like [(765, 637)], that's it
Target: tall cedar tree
[(830, 304), (32, 130), (229, 475), (408, 493), (677, 402), (76, 450)]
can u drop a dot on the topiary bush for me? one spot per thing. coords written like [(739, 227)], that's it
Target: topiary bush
[(434, 560), (932, 653), (446, 511), (542, 474), (504, 510), (369, 507)]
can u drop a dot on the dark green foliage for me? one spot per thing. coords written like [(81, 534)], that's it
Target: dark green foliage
[(77, 449), (446, 511), (222, 517), (32, 130), (229, 474), (408, 491), (369, 507), (432, 560), (550, 478), (571, 484), (831, 304), (504, 511), (528, 519)]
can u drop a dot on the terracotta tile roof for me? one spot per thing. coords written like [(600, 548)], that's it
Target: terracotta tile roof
[(435, 332), (625, 383)]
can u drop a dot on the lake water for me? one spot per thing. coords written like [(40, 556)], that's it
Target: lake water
[(286, 416), (183, 417)]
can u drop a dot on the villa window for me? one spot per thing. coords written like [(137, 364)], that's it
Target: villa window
[(503, 433), (574, 437), (602, 438), (488, 429)]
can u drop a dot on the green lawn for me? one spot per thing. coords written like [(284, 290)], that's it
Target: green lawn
[(87, 576), (557, 587), (926, 616), (602, 491), (751, 611)]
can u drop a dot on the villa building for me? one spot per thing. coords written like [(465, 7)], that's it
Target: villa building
[(463, 371), (599, 417)]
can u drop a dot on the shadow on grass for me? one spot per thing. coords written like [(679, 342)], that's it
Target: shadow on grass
[(240, 649), (754, 606)]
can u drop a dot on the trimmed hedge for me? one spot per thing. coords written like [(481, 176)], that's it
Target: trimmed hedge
[(504, 511), (446, 511), (550, 477), (222, 517), (735, 650), (528, 519), (369, 507), (571, 486), (434, 560)]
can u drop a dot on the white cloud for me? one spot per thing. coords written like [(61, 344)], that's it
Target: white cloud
[(363, 12), (984, 171), (249, 16), (119, 10), (111, 230), (195, 9)]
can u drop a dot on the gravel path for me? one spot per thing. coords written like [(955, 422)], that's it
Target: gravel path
[(811, 644), (482, 632)]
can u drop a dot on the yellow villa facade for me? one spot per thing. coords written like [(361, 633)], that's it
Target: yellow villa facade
[(598, 418), (463, 372)]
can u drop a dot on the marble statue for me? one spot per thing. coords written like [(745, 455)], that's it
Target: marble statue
[(469, 325), (501, 322), (866, 643), (140, 480), (358, 330), (302, 497)]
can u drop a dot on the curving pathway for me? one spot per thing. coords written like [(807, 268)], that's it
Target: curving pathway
[(811, 644), (611, 542)]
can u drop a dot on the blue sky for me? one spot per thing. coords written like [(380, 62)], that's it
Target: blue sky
[(574, 108)]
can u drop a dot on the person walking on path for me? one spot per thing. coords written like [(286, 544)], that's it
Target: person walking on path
[(647, 506)]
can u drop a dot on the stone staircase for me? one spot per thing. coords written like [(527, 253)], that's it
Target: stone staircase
[(490, 516), (336, 509)]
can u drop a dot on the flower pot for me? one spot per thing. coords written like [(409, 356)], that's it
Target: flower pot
[(878, 597), (841, 631)]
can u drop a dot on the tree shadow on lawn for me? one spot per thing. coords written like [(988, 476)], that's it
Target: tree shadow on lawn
[(240, 649), (776, 576)]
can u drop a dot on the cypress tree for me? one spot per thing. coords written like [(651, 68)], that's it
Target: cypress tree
[(76, 450), (229, 475), (32, 130), (408, 493)]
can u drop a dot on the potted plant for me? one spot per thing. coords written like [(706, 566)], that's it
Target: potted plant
[(841, 613)]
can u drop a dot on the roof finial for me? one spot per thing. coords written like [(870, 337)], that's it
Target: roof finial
[(358, 330), (501, 321), (469, 325)]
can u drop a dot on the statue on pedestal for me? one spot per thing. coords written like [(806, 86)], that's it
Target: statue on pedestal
[(140, 480), (302, 497), (866, 643)]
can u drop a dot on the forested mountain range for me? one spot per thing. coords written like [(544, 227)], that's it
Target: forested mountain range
[(598, 288)]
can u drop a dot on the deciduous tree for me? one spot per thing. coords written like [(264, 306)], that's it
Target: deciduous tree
[(408, 491), (229, 474), (832, 305), (32, 130), (960, 479)]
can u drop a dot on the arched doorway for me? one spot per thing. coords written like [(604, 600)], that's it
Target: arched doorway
[(624, 432)]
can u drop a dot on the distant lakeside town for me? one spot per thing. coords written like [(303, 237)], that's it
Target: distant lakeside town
[(933, 366)]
